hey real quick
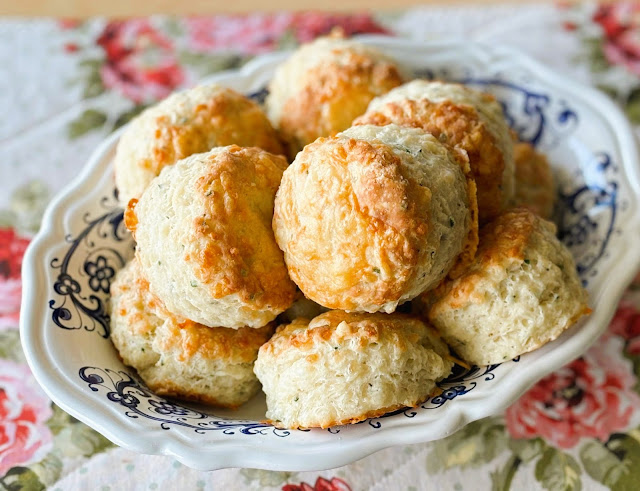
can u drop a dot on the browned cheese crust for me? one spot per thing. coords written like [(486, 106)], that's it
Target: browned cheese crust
[(390, 209), (174, 141), (535, 187), (459, 126), (334, 94)]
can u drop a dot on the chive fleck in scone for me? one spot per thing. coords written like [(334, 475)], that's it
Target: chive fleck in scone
[(463, 117), (342, 368), (535, 188), (179, 358), (372, 217), (323, 86), (521, 292), (205, 242), (185, 123)]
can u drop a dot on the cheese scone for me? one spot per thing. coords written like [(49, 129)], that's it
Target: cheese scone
[(205, 242), (180, 358), (342, 368), (185, 123), (462, 117), (521, 292), (323, 86), (372, 217)]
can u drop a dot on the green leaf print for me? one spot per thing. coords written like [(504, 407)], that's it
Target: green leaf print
[(127, 116), (93, 85), (558, 471), (266, 478), (207, 63), (58, 421), (474, 445), (89, 120), (527, 450), (10, 348), (632, 106), (21, 478), (501, 479), (79, 440), (615, 463), (49, 469)]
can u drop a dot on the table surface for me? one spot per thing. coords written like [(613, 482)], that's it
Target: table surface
[(66, 85)]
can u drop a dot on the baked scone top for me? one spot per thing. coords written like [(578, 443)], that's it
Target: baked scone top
[(205, 241), (185, 123)]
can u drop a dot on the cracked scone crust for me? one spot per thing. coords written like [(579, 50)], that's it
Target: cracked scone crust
[(521, 292), (205, 242), (535, 187), (185, 123), (179, 358), (462, 117), (324, 86), (342, 368), (372, 217)]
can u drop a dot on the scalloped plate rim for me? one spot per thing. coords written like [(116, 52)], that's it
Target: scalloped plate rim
[(322, 455)]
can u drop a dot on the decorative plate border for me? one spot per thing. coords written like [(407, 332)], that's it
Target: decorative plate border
[(321, 453)]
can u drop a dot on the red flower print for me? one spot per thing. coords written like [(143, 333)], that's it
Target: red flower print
[(322, 484), (12, 249), (24, 409), (620, 22), (626, 323), (247, 34), (140, 61), (309, 25), (591, 397), (259, 33)]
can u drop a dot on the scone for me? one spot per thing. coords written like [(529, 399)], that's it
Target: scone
[(185, 123), (535, 188), (463, 117), (179, 358), (323, 86), (372, 217), (342, 368), (205, 242), (521, 292)]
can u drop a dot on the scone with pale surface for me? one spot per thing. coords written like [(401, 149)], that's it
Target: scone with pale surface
[(521, 292), (323, 86), (185, 123), (342, 368), (180, 358), (372, 217), (463, 117), (205, 242), (535, 187)]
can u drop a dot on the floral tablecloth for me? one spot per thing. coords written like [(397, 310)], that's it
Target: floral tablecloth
[(66, 84)]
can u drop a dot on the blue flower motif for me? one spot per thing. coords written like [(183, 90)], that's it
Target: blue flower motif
[(66, 285), (100, 274)]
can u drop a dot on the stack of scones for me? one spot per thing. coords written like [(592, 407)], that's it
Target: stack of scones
[(251, 271)]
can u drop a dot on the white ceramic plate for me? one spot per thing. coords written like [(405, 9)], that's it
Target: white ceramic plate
[(68, 268)]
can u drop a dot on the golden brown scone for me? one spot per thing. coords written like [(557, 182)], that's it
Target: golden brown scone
[(372, 217), (323, 86), (180, 358), (185, 123), (521, 292), (342, 368), (205, 242), (535, 188), (462, 117)]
